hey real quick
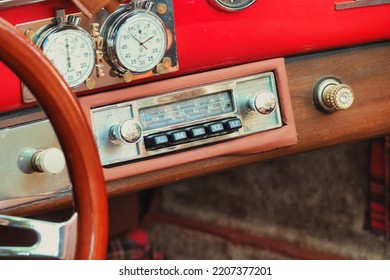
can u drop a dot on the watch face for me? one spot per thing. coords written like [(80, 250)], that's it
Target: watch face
[(72, 53), (140, 42), (231, 5)]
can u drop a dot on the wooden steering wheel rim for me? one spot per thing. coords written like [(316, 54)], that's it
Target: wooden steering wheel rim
[(73, 132)]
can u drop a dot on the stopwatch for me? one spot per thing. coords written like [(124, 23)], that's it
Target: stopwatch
[(231, 5), (70, 49), (136, 40)]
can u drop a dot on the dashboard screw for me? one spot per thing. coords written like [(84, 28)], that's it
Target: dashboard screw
[(127, 76), (29, 33), (162, 8), (90, 83)]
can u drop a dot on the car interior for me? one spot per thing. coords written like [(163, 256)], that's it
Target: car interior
[(194, 129)]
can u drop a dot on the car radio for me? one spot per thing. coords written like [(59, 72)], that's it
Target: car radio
[(187, 118)]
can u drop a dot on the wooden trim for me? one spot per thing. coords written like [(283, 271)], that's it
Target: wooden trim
[(366, 69)]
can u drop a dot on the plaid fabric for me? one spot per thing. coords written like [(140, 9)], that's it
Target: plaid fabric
[(133, 245), (379, 191)]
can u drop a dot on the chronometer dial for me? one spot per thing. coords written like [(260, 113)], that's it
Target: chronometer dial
[(136, 40), (141, 42), (72, 53), (231, 5)]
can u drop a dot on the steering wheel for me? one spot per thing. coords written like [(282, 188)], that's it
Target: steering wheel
[(63, 110)]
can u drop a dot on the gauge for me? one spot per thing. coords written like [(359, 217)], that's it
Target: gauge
[(231, 5), (136, 40), (71, 50)]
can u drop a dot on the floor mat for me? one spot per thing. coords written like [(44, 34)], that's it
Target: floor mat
[(315, 200)]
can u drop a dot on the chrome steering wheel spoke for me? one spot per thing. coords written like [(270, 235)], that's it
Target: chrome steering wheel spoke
[(55, 240)]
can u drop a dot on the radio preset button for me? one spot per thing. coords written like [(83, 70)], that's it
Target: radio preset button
[(156, 141), (215, 128), (233, 124), (178, 136), (197, 132)]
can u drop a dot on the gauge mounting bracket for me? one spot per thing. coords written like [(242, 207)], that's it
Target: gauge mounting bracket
[(105, 73)]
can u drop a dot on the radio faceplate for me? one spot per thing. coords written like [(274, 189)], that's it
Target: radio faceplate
[(187, 118)]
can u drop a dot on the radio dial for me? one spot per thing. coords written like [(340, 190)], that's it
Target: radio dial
[(128, 131), (263, 102)]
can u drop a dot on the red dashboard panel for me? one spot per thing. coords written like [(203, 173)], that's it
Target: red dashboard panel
[(209, 39)]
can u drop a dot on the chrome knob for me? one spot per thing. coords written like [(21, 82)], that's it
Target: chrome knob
[(128, 131), (330, 95), (263, 102)]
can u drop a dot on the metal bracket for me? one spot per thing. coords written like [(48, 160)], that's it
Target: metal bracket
[(56, 240), (359, 4)]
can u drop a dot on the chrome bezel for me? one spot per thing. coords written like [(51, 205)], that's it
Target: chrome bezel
[(110, 31), (105, 74), (319, 89), (224, 7), (42, 35), (241, 89)]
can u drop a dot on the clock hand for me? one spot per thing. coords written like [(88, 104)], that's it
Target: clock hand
[(140, 43), (147, 40), (135, 38), (143, 43), (67, 53)]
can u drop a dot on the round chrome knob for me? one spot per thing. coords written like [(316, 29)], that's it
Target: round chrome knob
[(51, 161), (330, 95), (128, 131), (263, 102)]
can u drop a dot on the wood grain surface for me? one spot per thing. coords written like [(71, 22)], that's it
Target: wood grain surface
[(364, 68)]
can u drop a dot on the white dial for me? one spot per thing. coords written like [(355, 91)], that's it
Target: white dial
[(140, 42), (72, 53), (231, 5)]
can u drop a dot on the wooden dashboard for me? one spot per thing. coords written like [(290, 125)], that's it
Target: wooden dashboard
[(366, 69)]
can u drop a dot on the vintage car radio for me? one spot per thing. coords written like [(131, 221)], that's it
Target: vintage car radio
[(187, 118)]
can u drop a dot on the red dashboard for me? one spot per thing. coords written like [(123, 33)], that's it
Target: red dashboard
[(173, 89), (208, 38)]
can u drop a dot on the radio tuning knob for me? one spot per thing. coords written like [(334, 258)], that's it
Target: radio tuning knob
[(128, 131), (263, 102), (330, 95)]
